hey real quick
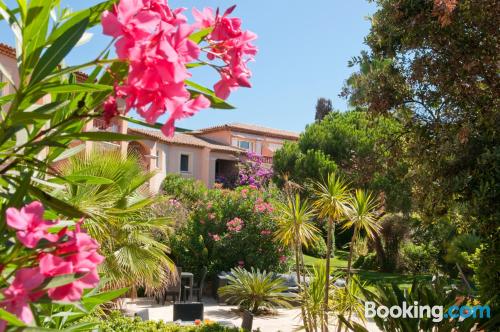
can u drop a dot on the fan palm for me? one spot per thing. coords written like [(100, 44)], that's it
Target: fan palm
[(110, 190), (296, 229), (363, 217), (255, 290), (331, 198)]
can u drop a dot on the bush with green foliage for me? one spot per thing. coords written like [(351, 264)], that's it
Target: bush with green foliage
[(255, 290), (317, 249), (116, 322), (417, 258), (366, 262), (227, 228)]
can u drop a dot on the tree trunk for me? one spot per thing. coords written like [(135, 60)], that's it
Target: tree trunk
[(324, 323), (351, 248)]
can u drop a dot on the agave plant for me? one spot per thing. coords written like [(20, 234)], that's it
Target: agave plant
[(255, 290), (109, 189)]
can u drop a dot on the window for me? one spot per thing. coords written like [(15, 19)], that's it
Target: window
[(244, 145), (158, 165), (184, 163)]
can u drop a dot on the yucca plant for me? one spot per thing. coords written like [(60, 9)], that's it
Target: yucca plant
[(347, 300), (119, 216), (312, 297), (363, 217), (255, 290), (331, 198)]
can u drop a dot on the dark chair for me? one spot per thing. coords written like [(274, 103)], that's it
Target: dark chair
[(247, 322), (198, 289), (174, 290), (188, 311)]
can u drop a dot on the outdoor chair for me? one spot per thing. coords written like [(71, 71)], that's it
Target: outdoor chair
[(188, 311), (199, 288), (247, 322), (174, 290)]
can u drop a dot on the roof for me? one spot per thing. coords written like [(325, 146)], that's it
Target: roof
[(252, 129), (186, 139), (11, 53)]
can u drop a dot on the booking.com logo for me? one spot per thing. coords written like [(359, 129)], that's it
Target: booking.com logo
[(437, 313)]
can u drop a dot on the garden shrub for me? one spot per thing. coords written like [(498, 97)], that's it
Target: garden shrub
[(229, 228), (187, 190), (417, 258), (366, 262), (116, 322), (316, 249)]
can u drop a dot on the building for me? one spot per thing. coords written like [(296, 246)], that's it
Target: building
[(203, 154)]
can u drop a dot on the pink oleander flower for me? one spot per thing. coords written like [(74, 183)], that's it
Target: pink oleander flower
[(30, 225), (77, 255), (244, 193), (266, 232), (211, 216), (20, 293), (215, 237), (230, 44), (235, 225), (155, 41), (241, 263), (110, 108), (282, 259)]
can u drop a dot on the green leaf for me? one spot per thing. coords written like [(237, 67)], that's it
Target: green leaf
[(156, 125), (58, 50), (35, 28), (93, 14), (79, 87), (10, 318), (69, 152), (86, 179), (55, 203), (215, 101), (60, 280), (91, 302), (43, 112), (101, 136), (198, 36)]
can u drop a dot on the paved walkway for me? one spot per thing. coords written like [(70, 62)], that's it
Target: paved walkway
[(285, 320)]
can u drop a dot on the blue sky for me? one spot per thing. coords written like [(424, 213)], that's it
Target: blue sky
[(303, 46)]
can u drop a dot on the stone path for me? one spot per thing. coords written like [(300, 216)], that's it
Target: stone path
[(285, 320)]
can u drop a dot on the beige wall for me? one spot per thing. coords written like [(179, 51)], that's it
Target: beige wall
[(11, 66)]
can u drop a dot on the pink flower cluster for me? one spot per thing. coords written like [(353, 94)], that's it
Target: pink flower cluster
[(67, 252), (266, 232), (263, 207), (154, 40), (215, 237), (229, 43), (235, 225)]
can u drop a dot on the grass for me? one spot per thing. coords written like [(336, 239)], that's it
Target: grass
[(370, 277)]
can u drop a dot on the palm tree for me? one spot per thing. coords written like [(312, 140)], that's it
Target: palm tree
[(331, 200), (110, 190), (296, 229), (363, 217), (255, 290)]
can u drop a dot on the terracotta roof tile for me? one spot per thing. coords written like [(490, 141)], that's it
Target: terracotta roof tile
[(186, 139), (254, 129), (11, 53)]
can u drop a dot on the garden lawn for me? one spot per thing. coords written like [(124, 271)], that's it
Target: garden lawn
[(370, 277)]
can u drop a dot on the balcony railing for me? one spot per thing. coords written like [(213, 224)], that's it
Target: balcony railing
[(263, 159)]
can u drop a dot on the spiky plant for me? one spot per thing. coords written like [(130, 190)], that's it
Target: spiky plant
[(331, 198), (255, 290), (110, 190), (348, 300), (295, 229), (362, 215), (312, 297)]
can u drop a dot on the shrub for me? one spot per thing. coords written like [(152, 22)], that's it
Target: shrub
[(417, 258), (255, 290), (316, 249), (366, 262), (183, 189), (227, 229), (116, 322)]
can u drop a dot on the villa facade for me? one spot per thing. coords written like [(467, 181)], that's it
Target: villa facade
[(204, 154)]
